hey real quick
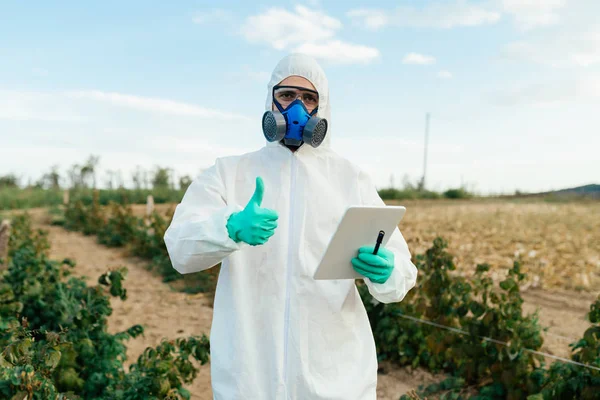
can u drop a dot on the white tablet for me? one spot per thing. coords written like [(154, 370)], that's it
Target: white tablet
[(359, 227)]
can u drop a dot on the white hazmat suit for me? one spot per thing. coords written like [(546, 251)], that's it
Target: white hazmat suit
[(277, 333)]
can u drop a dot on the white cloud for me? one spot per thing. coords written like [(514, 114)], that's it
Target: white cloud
[(562, 49), (572, 42), (35, 106), (308, 31), (551, 93), (281, 28), (339, 52), (198, 147), (79, 106), (370, 19), (215, 15), (418, 59), (530, 14), (443, 74), (527, 14), (432, 15), (153, 104)]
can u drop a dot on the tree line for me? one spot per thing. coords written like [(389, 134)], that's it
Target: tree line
[(86, 176)]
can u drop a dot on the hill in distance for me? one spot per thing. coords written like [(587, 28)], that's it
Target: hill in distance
[(587, 191)]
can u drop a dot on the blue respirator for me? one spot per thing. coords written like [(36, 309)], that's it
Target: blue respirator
[(294, 125)]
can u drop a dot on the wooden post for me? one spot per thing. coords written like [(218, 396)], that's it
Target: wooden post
[(65, 197), (149, 205), (4, 235)]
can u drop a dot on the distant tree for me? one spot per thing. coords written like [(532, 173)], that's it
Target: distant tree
[(88, 171), (51, 180), (161, 178), (138, 177), (39, 184), (74, 174), (9, 180)]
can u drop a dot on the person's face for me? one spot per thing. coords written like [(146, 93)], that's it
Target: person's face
[(300, 88)]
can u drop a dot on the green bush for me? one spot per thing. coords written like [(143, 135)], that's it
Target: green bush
[(82, 218), (17, 198), (116, 226), (53, 332), (569, 381), (457, 194), (120, 228), (408, 194), (475, 307)]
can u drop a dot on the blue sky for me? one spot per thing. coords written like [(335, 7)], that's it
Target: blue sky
[(513, 86)]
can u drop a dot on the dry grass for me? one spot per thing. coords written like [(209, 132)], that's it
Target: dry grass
[(557, 242)]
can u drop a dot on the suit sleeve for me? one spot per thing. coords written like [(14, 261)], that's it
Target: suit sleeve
[(404, 275), (197, 237)]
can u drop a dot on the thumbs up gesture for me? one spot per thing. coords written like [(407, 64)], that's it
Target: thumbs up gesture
[(253, 225)]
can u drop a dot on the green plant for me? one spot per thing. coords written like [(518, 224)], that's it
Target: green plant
[(407, 194), (87, 219), (160, 372), (117, 226), (53, 332), (30, 197), (569, 381), (120, 227), (459, 193), (476, 308)]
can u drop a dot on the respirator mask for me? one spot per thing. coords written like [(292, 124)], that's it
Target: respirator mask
[(295, 122)]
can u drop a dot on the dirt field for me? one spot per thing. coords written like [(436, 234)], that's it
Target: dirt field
[(557, 242), (555, 239)]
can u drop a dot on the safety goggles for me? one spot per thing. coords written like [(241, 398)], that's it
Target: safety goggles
[(285, 95)]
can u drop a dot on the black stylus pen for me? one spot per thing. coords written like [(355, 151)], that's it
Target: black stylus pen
[(379, 240)]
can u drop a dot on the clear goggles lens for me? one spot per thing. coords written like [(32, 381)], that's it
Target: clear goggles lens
[(285, 95)]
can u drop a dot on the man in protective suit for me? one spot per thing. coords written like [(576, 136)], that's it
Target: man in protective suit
[(267, 216)]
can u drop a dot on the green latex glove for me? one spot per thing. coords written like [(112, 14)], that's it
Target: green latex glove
[(253, 225), (377, 267)]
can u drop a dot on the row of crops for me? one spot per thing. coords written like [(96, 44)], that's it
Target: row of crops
[(470, 328)]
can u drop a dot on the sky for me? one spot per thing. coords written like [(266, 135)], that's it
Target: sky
[(512, 86)]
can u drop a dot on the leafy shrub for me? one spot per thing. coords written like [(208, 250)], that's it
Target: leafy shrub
[(476, 307), (120, 228), (116, 226), (569, 381), (82, 218), (407, 194), (459, 193), (14, 197), (53, 332), (148, 240)]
